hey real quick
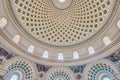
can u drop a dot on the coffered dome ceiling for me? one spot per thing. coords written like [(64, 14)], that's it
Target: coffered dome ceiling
[(61, 31), (61, 24), (60, 39)]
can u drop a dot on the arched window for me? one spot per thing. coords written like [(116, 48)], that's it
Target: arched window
[(16, 39), (3, 22), (75, 55), (118, 24), (46, 54), (60, 56), (106, 40), (31, 48), (2, 60), (91, 50)]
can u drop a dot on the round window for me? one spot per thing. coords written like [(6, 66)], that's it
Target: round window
[(106, 77)]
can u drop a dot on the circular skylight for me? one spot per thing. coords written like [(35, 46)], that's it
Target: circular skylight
[(106, 77), (60, 78), (62, 1), (14, 76)]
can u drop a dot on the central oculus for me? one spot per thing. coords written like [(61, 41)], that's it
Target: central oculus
[(62, 1), (62, 4)]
